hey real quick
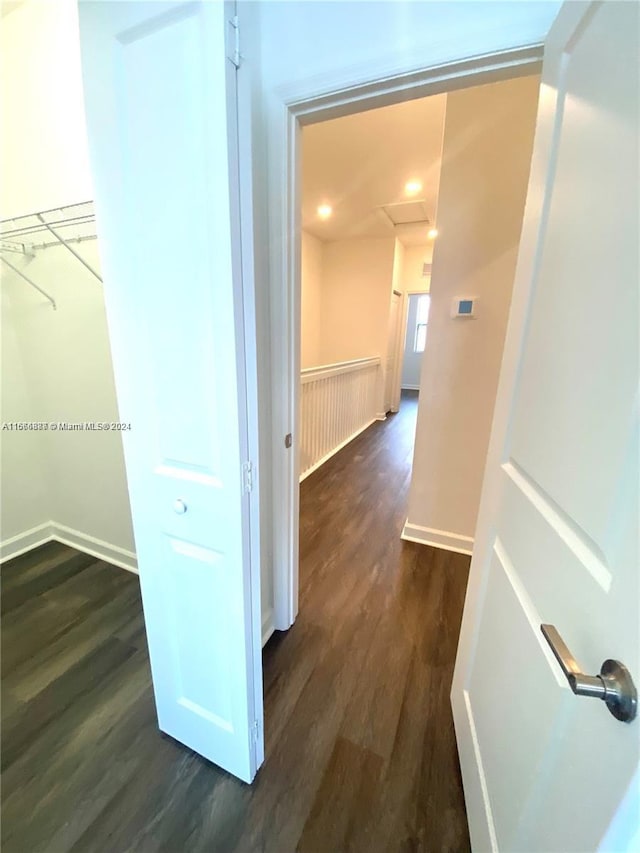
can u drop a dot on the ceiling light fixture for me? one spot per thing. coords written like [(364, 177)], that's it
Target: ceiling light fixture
[(432, 233), (325, 211), (412, 187)]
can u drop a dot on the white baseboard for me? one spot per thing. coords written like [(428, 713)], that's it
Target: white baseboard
[(51, 531), (267, 626), (26, 541), (380, 416), (437, 538), (338, 447), (410, 387), (96, 547)]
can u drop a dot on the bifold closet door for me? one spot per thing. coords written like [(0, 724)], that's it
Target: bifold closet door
[(160, 96)]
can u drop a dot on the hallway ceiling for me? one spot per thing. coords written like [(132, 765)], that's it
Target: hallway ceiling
[(360, 163)]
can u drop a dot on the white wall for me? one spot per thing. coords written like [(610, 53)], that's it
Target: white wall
[(339, 38), (60, 360), (69, 377), (44, 159), (23, 487), (311, 280), (487, 150), (356, 288)]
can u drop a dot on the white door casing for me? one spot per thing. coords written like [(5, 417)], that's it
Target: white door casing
[(321, 98), (557, 536), (411, 360), (391, 372), (161, 108)]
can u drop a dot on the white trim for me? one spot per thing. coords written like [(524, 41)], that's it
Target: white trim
[(337, 448), (51, 531), (381, 416), (95, 547), (324, 371), (267, 626), (405, 323), (120, 557), (479, 812), (437, 538), (305, 102), (17, 545)]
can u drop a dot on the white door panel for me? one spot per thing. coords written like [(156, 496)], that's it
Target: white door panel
[(161, 105), (557, 539), (503, 703)]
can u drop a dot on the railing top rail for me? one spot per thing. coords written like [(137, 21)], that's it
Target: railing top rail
[(309, 374)]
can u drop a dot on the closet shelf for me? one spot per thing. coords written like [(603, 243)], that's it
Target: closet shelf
[(74, 223)]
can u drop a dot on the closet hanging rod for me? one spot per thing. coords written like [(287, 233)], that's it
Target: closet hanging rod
[(32, 283), (67, 246)]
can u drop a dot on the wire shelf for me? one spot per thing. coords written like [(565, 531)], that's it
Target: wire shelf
[(73, 223)]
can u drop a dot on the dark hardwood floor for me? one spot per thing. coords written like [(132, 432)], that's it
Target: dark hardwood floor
[(360, 750)]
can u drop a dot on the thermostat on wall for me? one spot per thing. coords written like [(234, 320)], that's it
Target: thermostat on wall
[(463, 307)]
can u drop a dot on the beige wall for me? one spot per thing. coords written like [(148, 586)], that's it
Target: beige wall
[(414, 258), (356, 288), (346, 290), (487, 150), (310, 300)]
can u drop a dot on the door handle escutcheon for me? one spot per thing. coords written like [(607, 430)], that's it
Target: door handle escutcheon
[(614, 684)]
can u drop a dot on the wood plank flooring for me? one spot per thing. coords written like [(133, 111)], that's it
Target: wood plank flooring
[(360, 751)]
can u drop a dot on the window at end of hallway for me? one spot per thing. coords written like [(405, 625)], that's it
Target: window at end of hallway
[(422, 318)]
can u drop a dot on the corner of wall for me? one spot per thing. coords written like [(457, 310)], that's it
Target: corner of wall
[(444, 539)]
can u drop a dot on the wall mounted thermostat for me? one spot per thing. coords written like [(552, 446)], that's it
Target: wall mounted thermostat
[(463, 307)]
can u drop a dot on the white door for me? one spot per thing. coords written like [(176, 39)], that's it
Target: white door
[(391, 372), (161, 103), (557, 538)]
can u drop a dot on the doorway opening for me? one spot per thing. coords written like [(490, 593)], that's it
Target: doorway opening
[(415, 339), (302, 110), (400, 292), (369, 198), (368, 598)]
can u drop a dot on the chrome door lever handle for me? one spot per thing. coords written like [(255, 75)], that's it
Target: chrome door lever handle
[(613, 685)]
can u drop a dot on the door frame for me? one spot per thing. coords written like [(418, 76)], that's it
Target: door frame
[(309, 102), (397, 370), (405, 319)]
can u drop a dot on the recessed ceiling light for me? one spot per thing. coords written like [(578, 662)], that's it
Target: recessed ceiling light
[(325, 211), (432, 233), (412, 187)]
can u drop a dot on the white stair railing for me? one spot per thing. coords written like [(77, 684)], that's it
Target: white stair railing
[(338, 401)]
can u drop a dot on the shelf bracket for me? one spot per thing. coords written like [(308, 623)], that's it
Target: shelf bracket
[(32, 283), (18, 248), (67, 246)]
